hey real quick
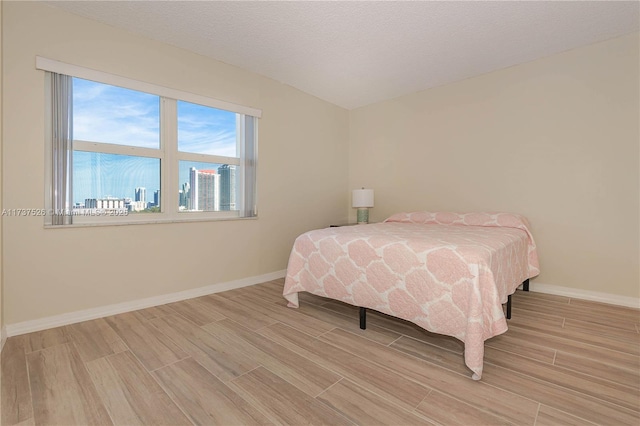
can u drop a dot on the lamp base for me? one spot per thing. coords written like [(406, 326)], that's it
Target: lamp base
[(363, 216)]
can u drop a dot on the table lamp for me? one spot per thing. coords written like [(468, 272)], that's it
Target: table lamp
[(362, 199)]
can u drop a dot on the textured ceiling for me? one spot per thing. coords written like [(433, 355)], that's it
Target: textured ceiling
[(353, 53)]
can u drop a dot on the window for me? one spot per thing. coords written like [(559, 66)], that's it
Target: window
[(125, 151), (116, 154), (208, 147)]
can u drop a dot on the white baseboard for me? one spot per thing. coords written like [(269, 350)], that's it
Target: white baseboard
[(9, 330), (3, 337), (594, 296), (118, 308)]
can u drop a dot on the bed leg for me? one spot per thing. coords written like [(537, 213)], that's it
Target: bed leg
[(509, 307), (363, 318), (525, 285)]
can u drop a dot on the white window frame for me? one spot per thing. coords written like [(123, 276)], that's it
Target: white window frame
[(167, 153)]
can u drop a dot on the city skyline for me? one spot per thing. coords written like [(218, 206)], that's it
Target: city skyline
[(206, 190)]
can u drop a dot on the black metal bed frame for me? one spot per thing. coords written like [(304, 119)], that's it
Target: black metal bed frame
[(363, 311)]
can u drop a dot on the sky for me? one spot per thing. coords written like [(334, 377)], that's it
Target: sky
[(114, 115)]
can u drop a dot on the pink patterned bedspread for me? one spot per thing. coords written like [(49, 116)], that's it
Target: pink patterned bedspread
[(449, 273)]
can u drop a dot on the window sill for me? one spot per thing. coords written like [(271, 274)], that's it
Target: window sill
[(147, 222)]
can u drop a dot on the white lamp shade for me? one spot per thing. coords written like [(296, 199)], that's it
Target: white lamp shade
[(362, 198)]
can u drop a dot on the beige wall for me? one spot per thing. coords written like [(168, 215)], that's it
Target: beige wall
[(556, 139), (302, 175)]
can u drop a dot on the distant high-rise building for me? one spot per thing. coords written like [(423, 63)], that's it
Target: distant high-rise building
[(185, 200), (193, 189), (156, 198), (227, 186), (205, 190), (208, 190), (140, 199), (141, 194)]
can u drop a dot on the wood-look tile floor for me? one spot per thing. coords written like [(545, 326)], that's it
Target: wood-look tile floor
[(242, 357)]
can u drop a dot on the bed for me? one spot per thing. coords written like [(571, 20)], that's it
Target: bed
[(449, 273)]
